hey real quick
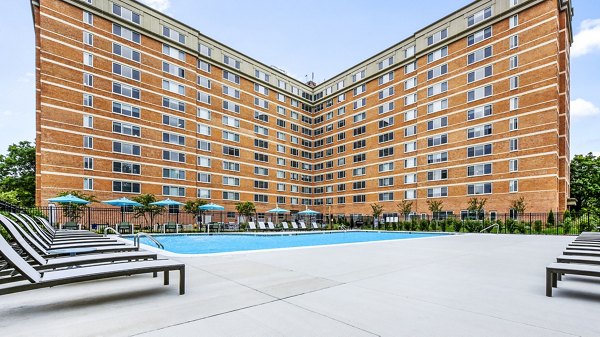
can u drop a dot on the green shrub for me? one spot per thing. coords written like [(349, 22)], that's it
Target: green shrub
[(473, 226), (457, 225), (567, 225), (424, 225), (537, 226), (550, 220), (510, 226)]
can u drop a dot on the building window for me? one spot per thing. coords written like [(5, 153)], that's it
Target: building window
[(479, 36), (88, 18), (88, 163), (126, 33), (126, 90), (513, 61), (88, 184), (126, 110), (88, 142), (513, 124), (173, 34), (483, 188), (126, 52), (513, 103), (126, 187), (514, 41), (437, 36), (88, 100), (479, 170), (437, 192), (513, 186), (437, 71), (437, 54), (479, 55), (479, 150), (479, 74), (126, 14), (479, 16), (88, 121), (513, 21), (88, 38), (513, 165), (479, 93), (88, 79), (513, 144)]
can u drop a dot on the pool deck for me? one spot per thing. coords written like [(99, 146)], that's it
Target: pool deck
[(465, 285)]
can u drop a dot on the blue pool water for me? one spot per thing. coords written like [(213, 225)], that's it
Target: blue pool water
[(206, 244)]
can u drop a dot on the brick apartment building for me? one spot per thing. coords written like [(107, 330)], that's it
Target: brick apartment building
[(132, 101)]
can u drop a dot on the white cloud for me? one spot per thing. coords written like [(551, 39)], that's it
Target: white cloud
[(582, 108), (159, 5), (588, 38)]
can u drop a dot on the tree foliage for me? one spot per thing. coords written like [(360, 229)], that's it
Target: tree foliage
[(147, 212), (75, 211), (377, 210), (435, 206), (519, 205), (475, 206), (191, 207), (405, 208), (246, 208), (17, 172), (585, 182)]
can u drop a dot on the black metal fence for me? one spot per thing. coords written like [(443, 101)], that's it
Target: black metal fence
[(124, 220)]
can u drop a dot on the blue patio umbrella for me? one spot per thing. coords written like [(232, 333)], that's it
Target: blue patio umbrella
[(309, 212), (122, 202), (211, 207), (277, 210), (69, 199), (168, 202)]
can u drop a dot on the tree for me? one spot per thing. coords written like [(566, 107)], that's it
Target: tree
[(192, 207), (74, 211), (246, 209), (146, 211), (405, 208), (10, 197), (585, 182), (518, 205), (475, 206), (435, 206), (377, 210), (17, 172)]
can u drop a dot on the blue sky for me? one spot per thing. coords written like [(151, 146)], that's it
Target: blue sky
[(320, 37)]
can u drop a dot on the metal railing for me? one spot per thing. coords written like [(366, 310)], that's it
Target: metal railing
[(491, 226), (136, 240)]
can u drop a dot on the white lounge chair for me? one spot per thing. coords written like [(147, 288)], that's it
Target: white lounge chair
[(271, 225), (294, 225), (315, 225), (261, 226), (303, 225), (285, 225), (252, 226)]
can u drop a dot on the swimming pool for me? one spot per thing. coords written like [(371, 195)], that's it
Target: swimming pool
[(221, 243)]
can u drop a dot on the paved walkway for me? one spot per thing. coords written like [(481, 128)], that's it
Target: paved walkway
[(467, 285)]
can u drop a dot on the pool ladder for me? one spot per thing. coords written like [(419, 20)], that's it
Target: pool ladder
[(136, 240)]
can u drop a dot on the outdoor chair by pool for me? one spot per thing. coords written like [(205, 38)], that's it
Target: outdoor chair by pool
[(252, 226), (294, 225), (554, 270), (39, 232), (303, 225), (71, 226), (271, 225), (53, 278), (171, 226), (285, 226), (42, 263), (45, 249), (42, 226), (315, 225), (261, 226), (124, 227)]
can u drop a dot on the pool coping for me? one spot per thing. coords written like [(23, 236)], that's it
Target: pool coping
[(172, 254)]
